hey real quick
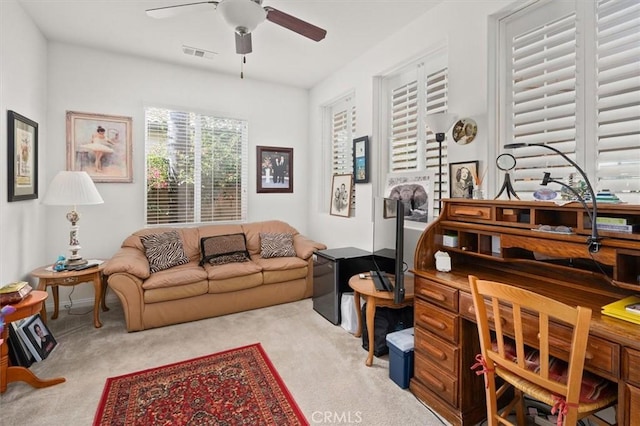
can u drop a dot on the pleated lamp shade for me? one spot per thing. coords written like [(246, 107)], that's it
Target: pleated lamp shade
[(72, 189)]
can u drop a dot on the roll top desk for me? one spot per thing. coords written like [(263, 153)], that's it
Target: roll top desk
[(500, 240)]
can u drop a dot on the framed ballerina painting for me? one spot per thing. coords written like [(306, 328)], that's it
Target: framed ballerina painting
[(100, 145)]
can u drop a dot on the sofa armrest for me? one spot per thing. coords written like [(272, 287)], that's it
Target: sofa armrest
[(128, 260), (305, 247)]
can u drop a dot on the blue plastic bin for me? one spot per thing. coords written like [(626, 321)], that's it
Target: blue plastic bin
[(401, 346)]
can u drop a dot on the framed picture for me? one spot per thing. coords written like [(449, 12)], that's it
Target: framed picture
[(341, 195), (22, 155), (415, 190), (274, 169), (461, 178), (100, 145), (361, 159), (37, 337)]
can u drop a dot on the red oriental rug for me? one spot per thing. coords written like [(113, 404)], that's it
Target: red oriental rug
[(235, 387)]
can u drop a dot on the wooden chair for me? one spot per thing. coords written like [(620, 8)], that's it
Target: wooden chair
[(524, 317)]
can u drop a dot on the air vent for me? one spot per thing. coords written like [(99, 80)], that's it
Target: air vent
[(199, 53)]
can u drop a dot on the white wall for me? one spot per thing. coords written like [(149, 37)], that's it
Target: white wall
[(462, 26), (23, 89)]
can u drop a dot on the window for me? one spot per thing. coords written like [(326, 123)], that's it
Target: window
[(343, 127), (572, 76), (196, 167), (412, 93)]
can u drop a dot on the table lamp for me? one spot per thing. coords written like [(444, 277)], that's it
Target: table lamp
[(593, 241), (72, 189), (440, 124)]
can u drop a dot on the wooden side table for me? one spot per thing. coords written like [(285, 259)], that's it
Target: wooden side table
[(374, 298), (71, 278), (30, 305)]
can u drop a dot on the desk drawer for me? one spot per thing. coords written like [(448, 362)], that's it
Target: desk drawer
[(432, 377), (602, 357), (467, 212), (437, 351), (436, 320), (631, 366), (438, 294)]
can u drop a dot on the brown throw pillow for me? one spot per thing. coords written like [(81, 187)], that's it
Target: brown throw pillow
[(276, 245), (221, 249), (164, 250)]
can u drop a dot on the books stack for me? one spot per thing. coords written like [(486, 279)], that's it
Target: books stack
[(617, 224), (619, 309), (13, 293)]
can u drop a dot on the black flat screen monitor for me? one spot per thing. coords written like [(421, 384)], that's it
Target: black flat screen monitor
[(388, 242)]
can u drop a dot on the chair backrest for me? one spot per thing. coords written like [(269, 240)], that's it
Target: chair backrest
[(524, 317)]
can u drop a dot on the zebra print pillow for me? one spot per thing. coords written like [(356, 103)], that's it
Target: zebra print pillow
[(164, 250), (276, 245)]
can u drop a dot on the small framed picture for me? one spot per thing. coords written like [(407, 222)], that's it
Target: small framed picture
[(37, 337), (341, 195), (361, 159), (274, 169), (461, 178), (100, 145), (22, 155)]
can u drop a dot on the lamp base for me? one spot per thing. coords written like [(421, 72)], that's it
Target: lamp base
[(77, 262)]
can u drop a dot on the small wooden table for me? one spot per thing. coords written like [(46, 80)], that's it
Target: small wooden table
[(71, 278), (30, 305), (374, 298)]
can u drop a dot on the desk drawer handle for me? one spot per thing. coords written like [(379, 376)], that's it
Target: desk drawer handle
[(436, 324), (438, 385), (490, 317), (433, 295), (70, 280), (475, 213), (435, 352)]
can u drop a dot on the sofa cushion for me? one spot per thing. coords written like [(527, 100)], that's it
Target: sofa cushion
[(231, 270), (223, 249), (164, 250), (276, 245), (176, 276), (184, 291), (252, 232), (235, 284)]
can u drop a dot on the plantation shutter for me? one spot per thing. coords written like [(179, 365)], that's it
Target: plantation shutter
[(196, 167), (618, 95), (437, 85), (415, 92), (343, 127), (572, 70), (542, 104)]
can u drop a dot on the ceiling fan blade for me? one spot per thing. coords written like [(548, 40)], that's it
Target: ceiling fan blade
[(294, 24), (169, 11), (243, 43)]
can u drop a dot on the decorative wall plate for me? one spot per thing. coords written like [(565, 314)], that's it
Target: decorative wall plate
[(464, 131)]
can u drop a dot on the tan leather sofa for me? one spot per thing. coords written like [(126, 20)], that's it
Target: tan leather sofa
[(191, 292)]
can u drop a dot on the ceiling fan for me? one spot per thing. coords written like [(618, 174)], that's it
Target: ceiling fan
[(244, 16)]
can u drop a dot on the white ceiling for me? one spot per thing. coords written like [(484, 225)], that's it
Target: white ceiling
[(279, 55)]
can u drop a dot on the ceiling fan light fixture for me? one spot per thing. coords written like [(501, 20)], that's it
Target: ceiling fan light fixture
[(246, 14)]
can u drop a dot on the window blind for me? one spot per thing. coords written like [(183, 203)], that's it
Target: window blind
[(618, 95), (575, 86), (343, 127), (196, 167), (415, 92)]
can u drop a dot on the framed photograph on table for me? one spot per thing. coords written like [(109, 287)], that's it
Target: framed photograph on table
[(461, 177), (361, 159), (274, 169), (22, 155), (100, 145), (341, 195)]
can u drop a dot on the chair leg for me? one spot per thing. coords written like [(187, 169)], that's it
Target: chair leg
[(520, 410)]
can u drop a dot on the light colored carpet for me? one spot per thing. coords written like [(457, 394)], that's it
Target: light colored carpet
[(321, 364)]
